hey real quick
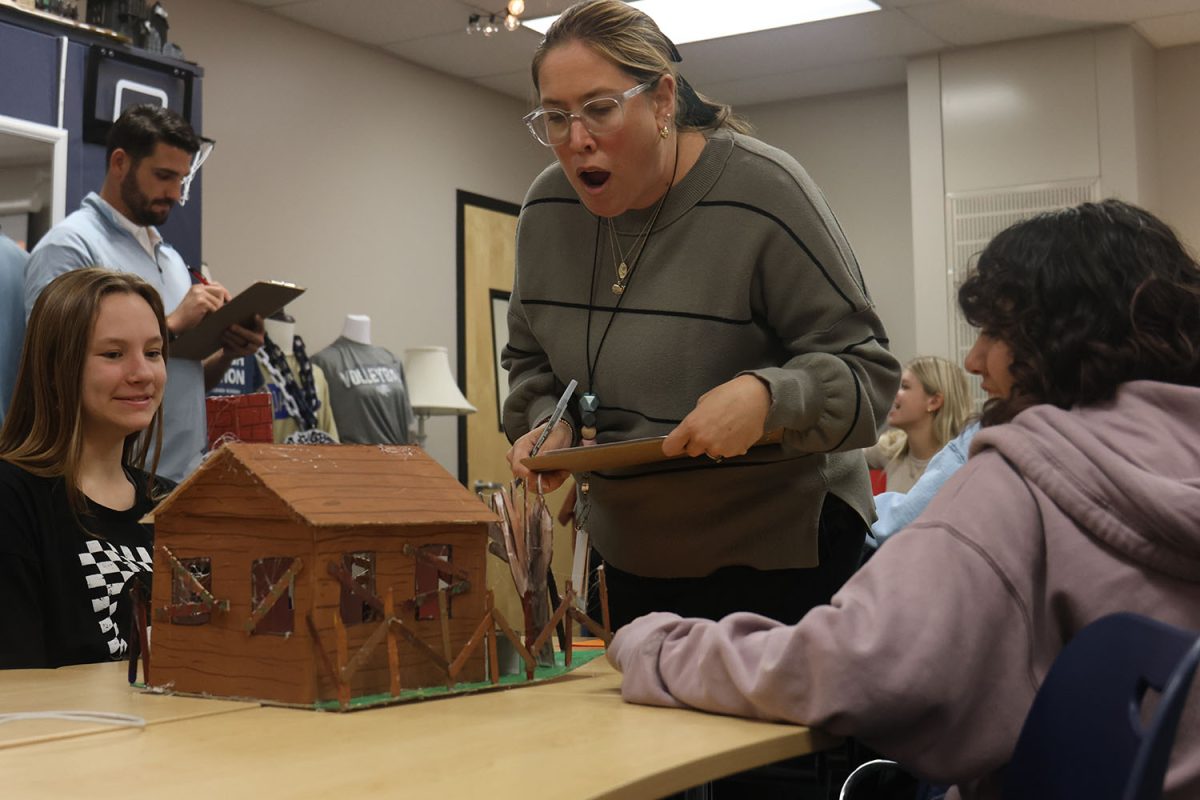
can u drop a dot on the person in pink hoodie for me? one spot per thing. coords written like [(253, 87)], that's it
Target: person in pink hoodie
[(1080, 499)]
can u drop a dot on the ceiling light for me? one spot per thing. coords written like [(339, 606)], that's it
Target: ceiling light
[(696, 20), (509, 19)]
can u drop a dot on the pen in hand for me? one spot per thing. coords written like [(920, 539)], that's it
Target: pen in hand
[(559, 409)]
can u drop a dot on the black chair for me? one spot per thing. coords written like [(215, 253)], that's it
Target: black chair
[(1084, 735)]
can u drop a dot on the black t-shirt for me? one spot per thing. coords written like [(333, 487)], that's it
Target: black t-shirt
[(64, 577)]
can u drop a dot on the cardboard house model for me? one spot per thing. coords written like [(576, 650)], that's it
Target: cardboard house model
[(308, 574)]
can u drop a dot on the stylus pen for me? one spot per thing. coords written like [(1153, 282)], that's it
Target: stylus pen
[(559, 410)]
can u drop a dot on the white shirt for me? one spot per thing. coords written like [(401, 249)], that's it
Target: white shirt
[(147, 236)]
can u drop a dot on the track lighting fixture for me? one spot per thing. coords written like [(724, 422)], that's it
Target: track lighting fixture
[(509, 19)]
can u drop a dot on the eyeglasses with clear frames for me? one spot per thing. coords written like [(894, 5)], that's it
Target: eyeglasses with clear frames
[(600, 115)]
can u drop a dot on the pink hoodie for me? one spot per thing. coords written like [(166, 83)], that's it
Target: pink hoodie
[(932, 653)]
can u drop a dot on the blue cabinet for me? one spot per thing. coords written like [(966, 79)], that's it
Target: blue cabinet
[(29, 80), (28, 75)]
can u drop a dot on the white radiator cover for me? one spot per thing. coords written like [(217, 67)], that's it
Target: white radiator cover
[(973, 218)]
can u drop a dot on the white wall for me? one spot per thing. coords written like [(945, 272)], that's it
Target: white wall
[(336, 168), (1051, 109), (1178, 113), (1061, 114), (1020, 113), (855, 146), (928, 172), (1127, 122)]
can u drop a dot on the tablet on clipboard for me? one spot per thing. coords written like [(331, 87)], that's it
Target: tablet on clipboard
[(263, 298), (629, 453)]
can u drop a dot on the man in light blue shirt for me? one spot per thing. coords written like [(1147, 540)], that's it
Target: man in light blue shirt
[(12, 317), (150, 152)]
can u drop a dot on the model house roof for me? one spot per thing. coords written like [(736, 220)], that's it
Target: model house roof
[(339, 485)]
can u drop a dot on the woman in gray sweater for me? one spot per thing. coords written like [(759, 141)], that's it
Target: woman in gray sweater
[(696, 284)]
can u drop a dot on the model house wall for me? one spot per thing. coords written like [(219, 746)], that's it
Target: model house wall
[(256, 517)]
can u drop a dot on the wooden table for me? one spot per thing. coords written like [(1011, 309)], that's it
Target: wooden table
[(89, 687), (570, 738)]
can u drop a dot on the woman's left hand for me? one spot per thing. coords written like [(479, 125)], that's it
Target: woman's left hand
[(726, 421)]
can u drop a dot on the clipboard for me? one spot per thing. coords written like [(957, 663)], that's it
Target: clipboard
[(629, 453), (263, 298)]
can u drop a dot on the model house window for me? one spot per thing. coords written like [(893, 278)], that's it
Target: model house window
[(265, 575), (429, 580), (189, 607), (361, 568)]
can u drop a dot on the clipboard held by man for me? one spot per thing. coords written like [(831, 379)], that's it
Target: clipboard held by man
[(262, 298)]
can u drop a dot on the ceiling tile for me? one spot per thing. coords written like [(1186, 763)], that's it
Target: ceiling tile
[(1095, 12), (903, 3), (846, 54), (514, 84), (865, 37), (810, 82), (1172, 30), (381, 21), (471, 56), (960, 23)]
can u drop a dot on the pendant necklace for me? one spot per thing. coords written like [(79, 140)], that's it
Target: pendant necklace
[(624, 270), (589, 403)]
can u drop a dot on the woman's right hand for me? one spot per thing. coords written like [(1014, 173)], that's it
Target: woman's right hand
[(559, 438)]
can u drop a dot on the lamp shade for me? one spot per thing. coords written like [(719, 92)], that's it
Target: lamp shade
[(431, 386)]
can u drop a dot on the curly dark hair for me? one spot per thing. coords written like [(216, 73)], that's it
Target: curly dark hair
[(1086, 298)]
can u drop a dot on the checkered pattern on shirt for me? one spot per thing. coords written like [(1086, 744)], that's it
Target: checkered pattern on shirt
[(106, 569)]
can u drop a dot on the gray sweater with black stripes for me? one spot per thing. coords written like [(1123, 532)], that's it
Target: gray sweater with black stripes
[(746, 270)]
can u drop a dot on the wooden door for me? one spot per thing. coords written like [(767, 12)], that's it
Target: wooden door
[(486, 263)]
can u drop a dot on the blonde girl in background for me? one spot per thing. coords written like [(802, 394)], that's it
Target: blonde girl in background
[(931, 407)]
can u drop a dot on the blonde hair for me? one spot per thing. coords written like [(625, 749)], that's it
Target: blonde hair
[(43, 430), (633, 42), (939, 376)]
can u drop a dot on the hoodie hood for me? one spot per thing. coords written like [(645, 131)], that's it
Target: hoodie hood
[(1126, 472)]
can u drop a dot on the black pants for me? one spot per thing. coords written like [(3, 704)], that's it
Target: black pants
[(781, 594)]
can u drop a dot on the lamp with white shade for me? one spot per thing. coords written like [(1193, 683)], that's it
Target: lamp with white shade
[(432, 390)]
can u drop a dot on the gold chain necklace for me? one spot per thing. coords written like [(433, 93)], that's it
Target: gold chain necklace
[(624, 268)]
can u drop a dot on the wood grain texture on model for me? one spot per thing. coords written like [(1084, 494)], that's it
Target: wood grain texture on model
[(265, 552)]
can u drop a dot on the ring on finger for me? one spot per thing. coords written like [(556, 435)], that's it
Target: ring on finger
[(715, 459)]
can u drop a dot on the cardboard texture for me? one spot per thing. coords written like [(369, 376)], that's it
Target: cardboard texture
[(247, 598)]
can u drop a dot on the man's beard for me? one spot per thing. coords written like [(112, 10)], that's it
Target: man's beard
[(141, 210)]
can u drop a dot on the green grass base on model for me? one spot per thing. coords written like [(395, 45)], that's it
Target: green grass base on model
[(578, 659)]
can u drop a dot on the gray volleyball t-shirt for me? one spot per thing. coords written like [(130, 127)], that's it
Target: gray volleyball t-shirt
[(367, 392)]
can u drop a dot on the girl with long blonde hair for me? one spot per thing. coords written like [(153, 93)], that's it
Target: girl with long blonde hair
[(932, 406)]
